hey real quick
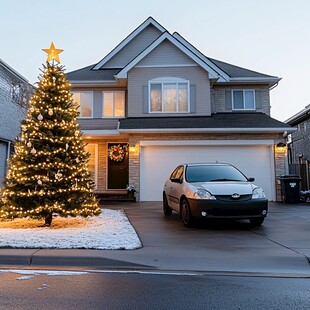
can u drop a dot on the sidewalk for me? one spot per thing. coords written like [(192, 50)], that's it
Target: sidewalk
[(281, 246)]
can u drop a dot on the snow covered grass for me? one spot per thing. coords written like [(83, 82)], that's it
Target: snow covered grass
[(111, 230)]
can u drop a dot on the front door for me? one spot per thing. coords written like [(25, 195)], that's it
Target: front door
[(118, 172)]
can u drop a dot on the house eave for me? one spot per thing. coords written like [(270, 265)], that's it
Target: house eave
[(299, 117), (88, 83), (252, 80), (209, 130), (100, 133)]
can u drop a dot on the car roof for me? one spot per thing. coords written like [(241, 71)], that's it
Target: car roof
[(207, 164)]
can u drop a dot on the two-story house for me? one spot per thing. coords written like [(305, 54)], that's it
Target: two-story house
[(14, 94), (155, 101), (299, 146)]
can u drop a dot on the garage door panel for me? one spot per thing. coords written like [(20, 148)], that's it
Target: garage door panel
[(157, 162)]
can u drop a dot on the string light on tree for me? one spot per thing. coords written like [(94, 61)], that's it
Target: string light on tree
[(48, 173)]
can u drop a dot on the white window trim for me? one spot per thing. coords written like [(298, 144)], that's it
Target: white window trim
[(162, 81), (96, 164), (113, 92), (92, 102), (243, 91)]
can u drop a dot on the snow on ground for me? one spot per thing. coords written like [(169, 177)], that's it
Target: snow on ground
[(111, 230)]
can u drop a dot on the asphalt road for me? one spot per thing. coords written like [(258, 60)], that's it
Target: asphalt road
[(152, 291)]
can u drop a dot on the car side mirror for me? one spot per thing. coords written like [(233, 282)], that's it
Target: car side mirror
[(176, 180), (251, 179)]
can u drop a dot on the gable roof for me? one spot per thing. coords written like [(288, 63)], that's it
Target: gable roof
[(221, 71), (149, 21), (167, 36), (219, 122)]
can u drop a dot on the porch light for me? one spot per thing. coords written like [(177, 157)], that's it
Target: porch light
[(132, 148), (280, 147)]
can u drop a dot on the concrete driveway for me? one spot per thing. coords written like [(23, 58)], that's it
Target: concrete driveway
[(281, 246)]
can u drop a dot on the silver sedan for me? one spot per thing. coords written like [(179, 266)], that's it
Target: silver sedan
[(213, 191)]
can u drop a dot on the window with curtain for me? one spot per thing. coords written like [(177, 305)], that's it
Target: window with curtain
[(113, 103), (84, 100), (169, 95)]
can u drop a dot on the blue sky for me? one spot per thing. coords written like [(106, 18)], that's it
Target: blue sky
[(268, 36)]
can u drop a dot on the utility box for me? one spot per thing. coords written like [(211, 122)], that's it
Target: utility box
[(290, 188)]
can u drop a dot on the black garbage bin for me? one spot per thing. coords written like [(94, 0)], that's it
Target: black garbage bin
[(290, 185)]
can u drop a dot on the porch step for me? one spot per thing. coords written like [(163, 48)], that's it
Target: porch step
[(115, 197)]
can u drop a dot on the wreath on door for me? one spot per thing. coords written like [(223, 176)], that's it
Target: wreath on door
[(116, 153)]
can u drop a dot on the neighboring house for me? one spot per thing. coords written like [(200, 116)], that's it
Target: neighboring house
[(299, 146), (155, 101), (14, 94)]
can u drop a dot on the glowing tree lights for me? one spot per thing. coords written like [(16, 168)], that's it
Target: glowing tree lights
[(48, 173)]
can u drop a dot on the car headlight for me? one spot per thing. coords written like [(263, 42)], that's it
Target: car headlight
[(258, 193), (203, 194)]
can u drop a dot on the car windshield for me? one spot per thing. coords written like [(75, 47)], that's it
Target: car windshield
[(213, 173)]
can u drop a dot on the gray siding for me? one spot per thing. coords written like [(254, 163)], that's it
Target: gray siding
[(134, 47), (138, 79), (222, 98), (11, 113), (98, 124), (14, 93), (164, 54), (3, 155)]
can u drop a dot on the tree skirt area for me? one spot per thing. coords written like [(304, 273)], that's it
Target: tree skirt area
[(111, 230)]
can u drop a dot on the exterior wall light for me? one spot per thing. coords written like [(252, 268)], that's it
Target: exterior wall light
[(281, 147), (132, 148)]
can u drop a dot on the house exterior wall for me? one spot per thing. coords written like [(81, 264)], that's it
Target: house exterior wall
[(300, 145), (14, 92), (11, 113), (221, 101), (134, 47), (138, 89), (3, 159)]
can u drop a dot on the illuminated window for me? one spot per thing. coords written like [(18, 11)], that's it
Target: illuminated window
[(243, 99), (84, 100), (113, 103), (169, 95), (93, 161)]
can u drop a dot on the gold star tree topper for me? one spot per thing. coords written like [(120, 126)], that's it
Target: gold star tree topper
[(53, 53)]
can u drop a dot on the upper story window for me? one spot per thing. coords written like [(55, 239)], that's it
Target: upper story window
[(243, 100), (113, 103), (85, 101), (169, 95)]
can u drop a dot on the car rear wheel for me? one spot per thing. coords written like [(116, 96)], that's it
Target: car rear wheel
[(257, 221), (166, 208), (186, 214)]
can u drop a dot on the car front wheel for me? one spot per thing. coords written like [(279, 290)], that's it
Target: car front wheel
[(257, 221), (186, 213)]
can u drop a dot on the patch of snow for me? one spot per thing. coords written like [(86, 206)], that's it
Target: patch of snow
[(44, 272), (111, 230), (25, 278)]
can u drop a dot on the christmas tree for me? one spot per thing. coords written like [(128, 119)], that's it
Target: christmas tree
[(48, 173)]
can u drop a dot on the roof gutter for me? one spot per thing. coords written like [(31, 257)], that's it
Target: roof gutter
[(209, 130)]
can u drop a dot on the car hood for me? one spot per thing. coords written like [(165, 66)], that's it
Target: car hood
[(227, 188)]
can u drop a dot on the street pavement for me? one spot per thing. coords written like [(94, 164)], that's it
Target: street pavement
[(280, 247)]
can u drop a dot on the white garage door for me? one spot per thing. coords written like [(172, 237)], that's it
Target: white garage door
[(157, 162)]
